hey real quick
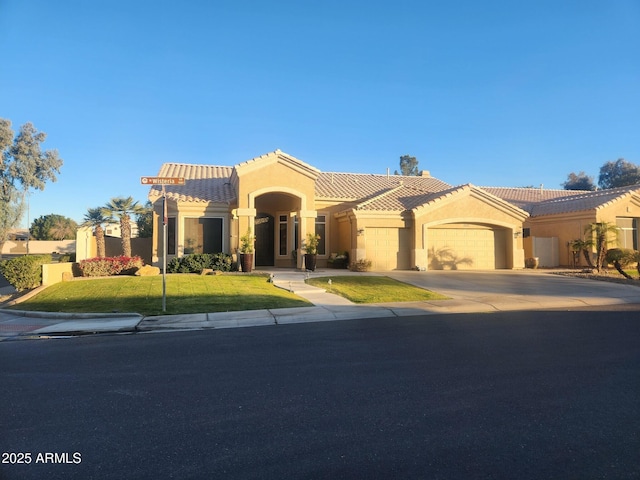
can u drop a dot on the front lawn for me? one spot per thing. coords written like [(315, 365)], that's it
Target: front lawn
[(186, 293), (371, 289)]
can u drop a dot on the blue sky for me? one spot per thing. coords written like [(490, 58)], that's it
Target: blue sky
[(494, 93)]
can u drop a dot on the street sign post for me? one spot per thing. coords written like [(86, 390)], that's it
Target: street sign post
[(163, 181)]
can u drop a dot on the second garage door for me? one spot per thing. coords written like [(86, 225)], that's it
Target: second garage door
[(466, 247)]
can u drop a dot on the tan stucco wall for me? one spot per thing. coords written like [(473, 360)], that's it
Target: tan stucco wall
[(52, 272), (571, 226), (273, 174), (566, 227)]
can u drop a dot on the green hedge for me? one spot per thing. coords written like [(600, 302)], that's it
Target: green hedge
[(197, 262), (24, 272), (107, 266)]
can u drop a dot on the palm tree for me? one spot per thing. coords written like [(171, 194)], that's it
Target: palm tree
[(583, 246), (95, 218), (601, 233), (121, 209)]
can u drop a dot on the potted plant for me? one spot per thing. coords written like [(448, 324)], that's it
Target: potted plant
[(310, 246), (246, 251)]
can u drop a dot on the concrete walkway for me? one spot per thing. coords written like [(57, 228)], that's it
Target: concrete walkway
[(469, 292)]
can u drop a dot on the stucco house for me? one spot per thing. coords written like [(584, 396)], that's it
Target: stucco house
[(556, 218), (396, 222)]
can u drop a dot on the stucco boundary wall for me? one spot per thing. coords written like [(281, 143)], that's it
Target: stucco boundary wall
[(37, 247), (55, 272)]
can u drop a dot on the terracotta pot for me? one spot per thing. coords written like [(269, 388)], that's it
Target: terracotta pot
[(310, 261), (246, 261)]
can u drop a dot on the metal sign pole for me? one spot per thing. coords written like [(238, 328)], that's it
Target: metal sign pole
[(164, 249), (165, 224)]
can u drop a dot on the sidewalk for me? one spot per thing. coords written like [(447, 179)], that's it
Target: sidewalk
[(329, 307)]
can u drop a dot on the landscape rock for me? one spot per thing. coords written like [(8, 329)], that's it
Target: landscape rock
[(147, 271)]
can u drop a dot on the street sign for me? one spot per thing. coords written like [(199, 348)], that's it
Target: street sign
[(162, 180)]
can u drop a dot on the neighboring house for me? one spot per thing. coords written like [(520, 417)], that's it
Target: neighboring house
[(112, 229), (19, 234), (396, 222), (557, 217)]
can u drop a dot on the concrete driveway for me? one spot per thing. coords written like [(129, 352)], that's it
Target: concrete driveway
[(519, 289)]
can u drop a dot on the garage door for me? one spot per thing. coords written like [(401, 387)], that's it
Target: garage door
[(466, 247), (388, 248)]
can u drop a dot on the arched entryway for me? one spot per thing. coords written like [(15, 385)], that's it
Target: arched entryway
[(277, 226)]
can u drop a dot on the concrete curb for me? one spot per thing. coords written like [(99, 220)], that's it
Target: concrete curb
[(67, 316)]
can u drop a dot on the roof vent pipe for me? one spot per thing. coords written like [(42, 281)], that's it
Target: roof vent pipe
[(387, 173)]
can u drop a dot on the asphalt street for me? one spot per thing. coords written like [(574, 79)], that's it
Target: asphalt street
[(524, 395)]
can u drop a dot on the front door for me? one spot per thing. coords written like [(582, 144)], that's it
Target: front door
[(264, 240)]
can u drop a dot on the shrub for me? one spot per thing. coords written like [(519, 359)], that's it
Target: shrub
[(107, 266), (620, 257), (24, 272), (362, 265), (197, 262)]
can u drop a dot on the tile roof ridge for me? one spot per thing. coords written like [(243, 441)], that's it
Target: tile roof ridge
[(185, 164), (536, 189), (379, 196), (618, 191)]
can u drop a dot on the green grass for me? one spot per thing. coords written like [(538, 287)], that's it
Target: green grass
[(186, 293), (373, 289)]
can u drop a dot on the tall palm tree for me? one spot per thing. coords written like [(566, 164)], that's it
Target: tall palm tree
[(601, 233), (121, 209), (95, 218)]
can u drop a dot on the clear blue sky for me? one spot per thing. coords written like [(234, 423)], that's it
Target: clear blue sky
[(494, 93)]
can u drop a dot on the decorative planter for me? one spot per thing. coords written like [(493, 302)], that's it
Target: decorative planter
[(310, 261), (246, 261)]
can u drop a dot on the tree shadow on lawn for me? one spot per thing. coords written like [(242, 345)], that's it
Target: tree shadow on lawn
[(176, 304)]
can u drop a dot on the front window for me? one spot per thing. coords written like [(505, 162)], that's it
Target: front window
[(628, 237), (171, 235), (321, 229), (283, 225), (202, 235)]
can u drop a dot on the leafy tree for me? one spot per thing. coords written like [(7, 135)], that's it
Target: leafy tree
[(121, 209), (64, 229), (95, 218), (145, 221), (618, 174), (408, 166), (53, 227), (580, 181), (23, 165)]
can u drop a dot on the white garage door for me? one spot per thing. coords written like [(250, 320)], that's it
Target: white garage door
[(462, 247), (388, 248)]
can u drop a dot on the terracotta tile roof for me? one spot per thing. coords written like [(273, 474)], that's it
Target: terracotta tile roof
[(211, 183), (203, 183), (390, 193), (581, 202), (539, 202), (526, 198), (362, 186)]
